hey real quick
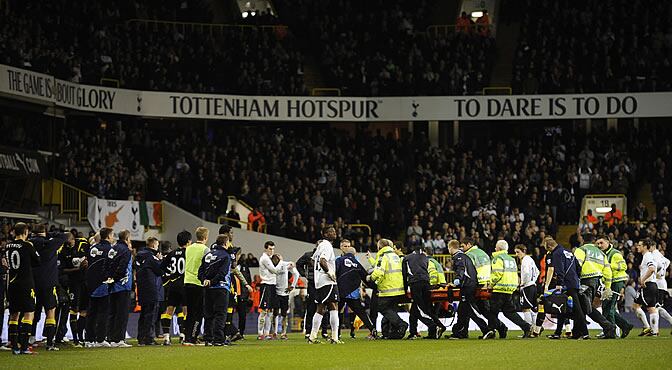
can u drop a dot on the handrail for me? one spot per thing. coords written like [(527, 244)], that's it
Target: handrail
[(68, 198), (495, 88), (365, 226), (316, 90), (221, 219), (433, 29), (105, 79), (209, 26)]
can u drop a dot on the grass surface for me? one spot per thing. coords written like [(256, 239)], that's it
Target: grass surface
[(644, 353)]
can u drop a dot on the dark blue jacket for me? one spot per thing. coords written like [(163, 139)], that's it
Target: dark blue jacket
[(148, 273), (565, 267), (46, 274), (97, 271), (349, 275), (120, 268), (415, 268), (216, 267), (465, 271)]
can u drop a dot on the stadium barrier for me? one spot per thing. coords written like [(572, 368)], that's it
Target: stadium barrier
[(68, 199)]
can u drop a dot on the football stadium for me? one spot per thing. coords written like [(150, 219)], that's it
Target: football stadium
[(337, 184)]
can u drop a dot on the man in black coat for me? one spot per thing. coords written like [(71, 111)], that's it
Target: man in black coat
[(415, 269), (148, 274), (465, 279)]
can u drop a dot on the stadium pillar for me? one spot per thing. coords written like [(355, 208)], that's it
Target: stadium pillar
[(635, 122), (612, 123), (589, 126), (456, 132), (433, 133), (410, 127)]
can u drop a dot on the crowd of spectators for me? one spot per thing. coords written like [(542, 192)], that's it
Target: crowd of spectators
[(87, 41), (521, 188), (589, 46), (379, 48)]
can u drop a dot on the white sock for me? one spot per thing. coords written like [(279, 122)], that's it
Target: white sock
[(333, 320), (284, 324), (654, 322), (276, 323), (317, 321), (269, 322), (527, 316), (642, 317), (261, 323), (664, 314), (568, 326)]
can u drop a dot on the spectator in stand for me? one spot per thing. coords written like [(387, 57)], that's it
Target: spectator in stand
[(233, 215), (414, 229), (483, 24), (463, 23), (640, 213), (590, 218), (256, 221), (615, 216)]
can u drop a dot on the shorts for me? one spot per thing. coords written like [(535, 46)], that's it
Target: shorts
[(267, 297), (21, 299), (327, 294), (175, 295), (648, 295), (662, 297), (75, 293), (528, 297), (282, 303), (46, 297)]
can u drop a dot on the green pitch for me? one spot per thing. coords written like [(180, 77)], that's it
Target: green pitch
[(513, 353)]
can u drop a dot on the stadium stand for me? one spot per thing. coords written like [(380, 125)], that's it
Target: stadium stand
[(145, 54), (593, 46), (383, 48)]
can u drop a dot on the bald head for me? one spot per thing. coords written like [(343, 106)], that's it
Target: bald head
[(502, 245)]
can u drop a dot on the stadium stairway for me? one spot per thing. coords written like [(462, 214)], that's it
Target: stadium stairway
[(645, 195), (312, 76), (506, 41), (564, 232)]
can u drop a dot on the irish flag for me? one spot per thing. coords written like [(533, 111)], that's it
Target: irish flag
[(150, 213)]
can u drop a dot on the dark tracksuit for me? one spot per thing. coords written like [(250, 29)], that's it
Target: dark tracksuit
[(465, 272), (46, 278), (304, 266), (349, 276), (99, 304), (148, 278), (216, 267), (416, 276), (566, 271), (121, 270)]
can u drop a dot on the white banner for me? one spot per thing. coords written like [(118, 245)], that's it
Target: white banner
[(116, 214), (45, 89)]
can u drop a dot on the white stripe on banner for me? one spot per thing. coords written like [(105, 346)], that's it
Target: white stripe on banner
[(44, 89)]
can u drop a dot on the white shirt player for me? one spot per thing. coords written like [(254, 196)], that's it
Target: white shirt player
[(267, 271), (326, 251), (662, 264), (283, 278), (648, 261), (528, 272)]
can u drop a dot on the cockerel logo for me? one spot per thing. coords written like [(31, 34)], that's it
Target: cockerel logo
[(111, 218)]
